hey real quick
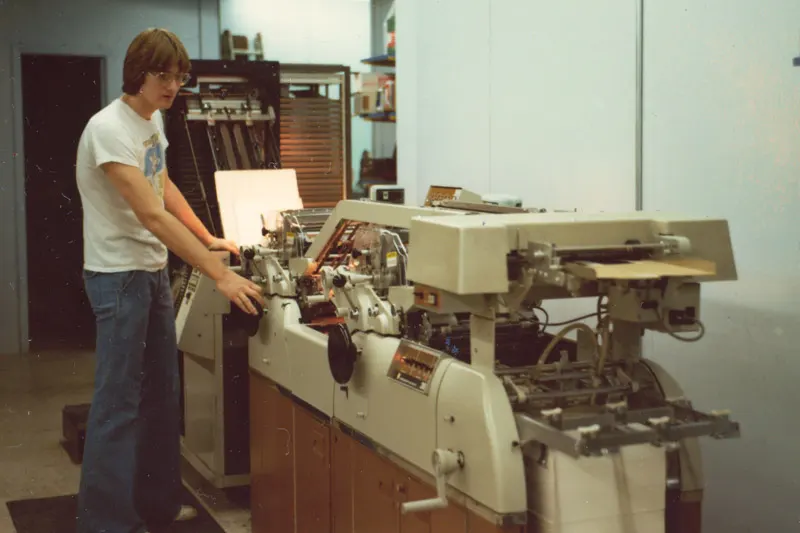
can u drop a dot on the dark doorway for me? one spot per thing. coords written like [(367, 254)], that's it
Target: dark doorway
[(60, 94)]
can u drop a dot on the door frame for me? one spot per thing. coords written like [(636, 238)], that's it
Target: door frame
[(18, 132)]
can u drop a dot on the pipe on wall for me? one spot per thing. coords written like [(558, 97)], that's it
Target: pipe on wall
[(219, 20), (639, 104)]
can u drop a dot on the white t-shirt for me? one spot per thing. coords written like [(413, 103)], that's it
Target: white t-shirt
[(113, 238)]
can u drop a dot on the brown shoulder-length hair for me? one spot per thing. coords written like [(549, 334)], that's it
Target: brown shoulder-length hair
[(153, 50)]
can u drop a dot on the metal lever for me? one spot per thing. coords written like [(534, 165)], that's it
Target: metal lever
[(445, 462)]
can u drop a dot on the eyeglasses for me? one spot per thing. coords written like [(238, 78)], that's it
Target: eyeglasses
[(168, 77)]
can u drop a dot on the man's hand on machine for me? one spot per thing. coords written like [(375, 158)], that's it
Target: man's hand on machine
[(241, 292), (223, 245)]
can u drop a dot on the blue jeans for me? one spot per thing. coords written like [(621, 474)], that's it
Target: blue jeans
[(130, 476)]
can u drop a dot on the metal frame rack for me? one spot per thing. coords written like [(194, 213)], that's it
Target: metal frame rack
[(315, 133)]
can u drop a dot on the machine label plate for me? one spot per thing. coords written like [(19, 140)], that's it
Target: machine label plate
[(413, 365)]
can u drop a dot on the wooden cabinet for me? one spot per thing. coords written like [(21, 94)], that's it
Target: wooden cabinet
[(342, 448), (272, 456), (369, 490), (258, 422), (310, 477), (312, 452), (279, 457), (375, 505)]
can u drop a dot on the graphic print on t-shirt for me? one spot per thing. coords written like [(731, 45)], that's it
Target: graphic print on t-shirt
[(154, 163)]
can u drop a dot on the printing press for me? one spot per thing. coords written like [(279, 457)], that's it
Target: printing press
[(405, 375), (224, 120), (261, 206)]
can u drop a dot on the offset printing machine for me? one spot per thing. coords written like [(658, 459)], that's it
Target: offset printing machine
[(248, 206), (224, 127), (213, 334), (405, 375), (226, 119)]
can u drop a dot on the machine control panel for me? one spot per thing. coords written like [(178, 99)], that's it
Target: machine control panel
[(191, 286), (413, 365)]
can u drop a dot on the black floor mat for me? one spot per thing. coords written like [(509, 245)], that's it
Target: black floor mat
[(57, 515)]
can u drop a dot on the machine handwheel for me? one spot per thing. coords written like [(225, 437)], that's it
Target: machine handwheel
[(249, 323), (342, 354)]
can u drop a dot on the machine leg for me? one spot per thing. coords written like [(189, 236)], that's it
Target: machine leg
[(684, 512)]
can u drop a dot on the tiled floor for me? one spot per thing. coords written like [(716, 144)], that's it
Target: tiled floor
[(33, 390)]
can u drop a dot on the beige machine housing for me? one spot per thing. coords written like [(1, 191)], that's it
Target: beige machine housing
[(414, 343), (445, 250), (261, 210)]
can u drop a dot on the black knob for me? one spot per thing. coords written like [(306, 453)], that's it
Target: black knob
[(249, 254), (356, 254), (342, 354), (339, 281), (247, 322), (264, 232)]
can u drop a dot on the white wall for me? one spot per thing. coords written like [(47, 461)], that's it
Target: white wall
[(722, 108), (537, 98), (80, 27), (539, 93), (304, 31), (309, 31), (561, 107)]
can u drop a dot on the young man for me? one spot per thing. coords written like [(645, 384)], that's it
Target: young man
[(133, 213)]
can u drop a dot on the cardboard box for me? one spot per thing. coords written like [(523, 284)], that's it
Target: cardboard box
[(365, 102), (374, 93)]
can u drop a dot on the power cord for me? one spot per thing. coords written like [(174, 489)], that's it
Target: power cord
[(674, 334)]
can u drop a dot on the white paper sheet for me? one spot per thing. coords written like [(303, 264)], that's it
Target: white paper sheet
[(246, 197)]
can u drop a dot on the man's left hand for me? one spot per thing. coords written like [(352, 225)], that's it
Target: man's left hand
[(223, 245)]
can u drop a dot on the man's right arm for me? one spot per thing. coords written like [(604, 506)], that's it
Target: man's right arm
[(139, 194)]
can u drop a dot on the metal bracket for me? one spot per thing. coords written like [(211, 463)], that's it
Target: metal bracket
[(605, 433)]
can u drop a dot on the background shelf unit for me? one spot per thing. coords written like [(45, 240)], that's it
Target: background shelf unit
[(384, 60), (390, 116)]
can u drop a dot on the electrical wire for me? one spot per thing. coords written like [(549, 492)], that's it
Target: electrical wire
[(599, 313), (561, 334), (565, 322), (674, 334), (599, 335)]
